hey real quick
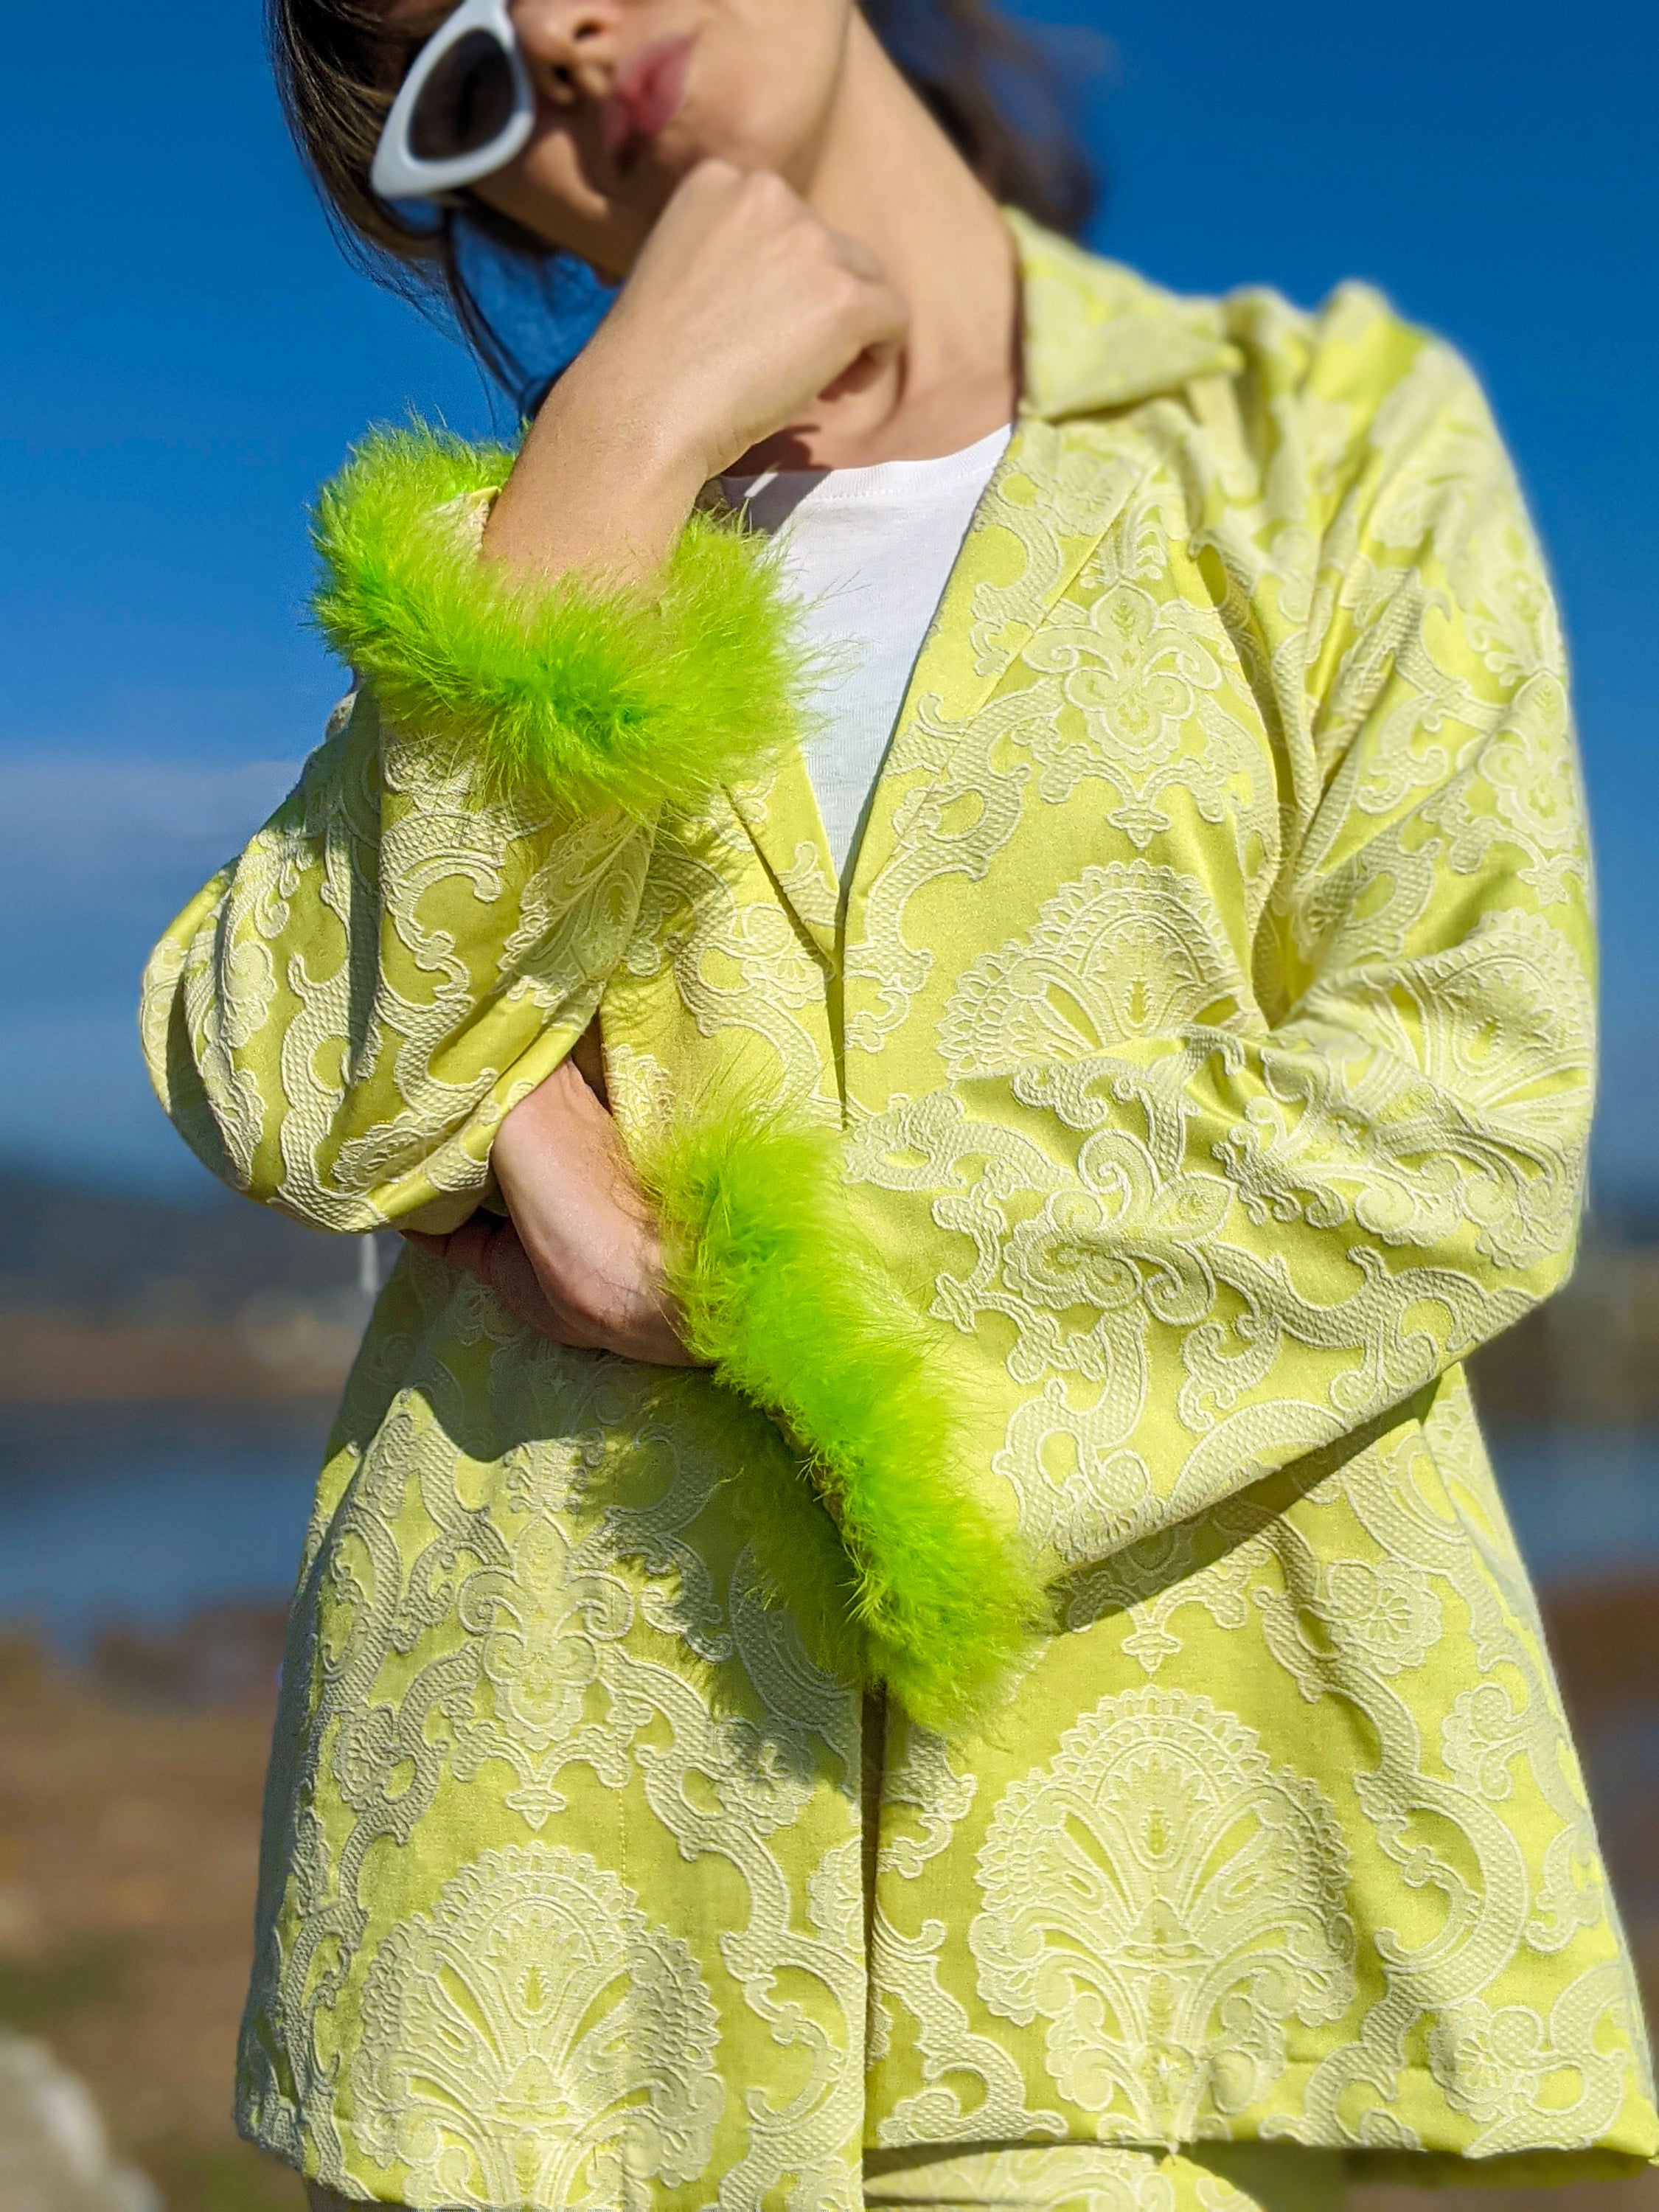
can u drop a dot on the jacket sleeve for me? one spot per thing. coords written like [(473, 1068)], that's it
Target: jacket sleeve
[(1183, 1264), (340, 1018)]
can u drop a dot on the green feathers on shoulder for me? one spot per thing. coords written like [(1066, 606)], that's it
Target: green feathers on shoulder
[(592, 695)]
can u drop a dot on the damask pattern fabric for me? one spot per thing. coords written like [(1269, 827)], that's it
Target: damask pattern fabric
[(1083, 2178), (1106, 2177), (1208, 1024)]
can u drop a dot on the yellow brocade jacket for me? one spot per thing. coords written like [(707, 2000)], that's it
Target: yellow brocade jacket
[(1196, 1066)]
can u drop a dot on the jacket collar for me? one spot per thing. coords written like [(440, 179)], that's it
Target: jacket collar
[(1098, 336)]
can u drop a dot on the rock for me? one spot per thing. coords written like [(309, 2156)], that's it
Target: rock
[(54, 2155)]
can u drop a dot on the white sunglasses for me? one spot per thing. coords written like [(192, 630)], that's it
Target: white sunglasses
[(465, 108)]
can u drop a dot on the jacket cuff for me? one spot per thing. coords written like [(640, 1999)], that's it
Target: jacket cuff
[(591, 695), (789, 1303)]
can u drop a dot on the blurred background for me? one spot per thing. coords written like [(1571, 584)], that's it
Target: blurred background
[(185, 356)]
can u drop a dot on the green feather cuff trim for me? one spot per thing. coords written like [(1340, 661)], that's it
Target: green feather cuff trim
[(791, 1306), (597, 697)]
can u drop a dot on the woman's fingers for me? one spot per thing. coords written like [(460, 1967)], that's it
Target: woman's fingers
[(741, 310), (489, 1247), (633, 1319), (508, 1270), (740, 313), (885, 314)]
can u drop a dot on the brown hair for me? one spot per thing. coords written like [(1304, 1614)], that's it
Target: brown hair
[(1003, 99)]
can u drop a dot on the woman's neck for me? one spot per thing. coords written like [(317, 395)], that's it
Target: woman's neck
[(886, 175)]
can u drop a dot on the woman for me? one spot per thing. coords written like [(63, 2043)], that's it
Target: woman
[(906, 1604)]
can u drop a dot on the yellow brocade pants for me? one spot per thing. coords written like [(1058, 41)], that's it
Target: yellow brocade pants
[(1085, 2178)]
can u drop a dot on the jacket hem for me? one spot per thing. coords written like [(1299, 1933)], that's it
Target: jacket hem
[(1545, 2166)]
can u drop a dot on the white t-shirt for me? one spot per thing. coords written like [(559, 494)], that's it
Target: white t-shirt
[(868, 552)]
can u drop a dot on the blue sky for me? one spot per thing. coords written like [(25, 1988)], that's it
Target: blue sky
[(183, 355)]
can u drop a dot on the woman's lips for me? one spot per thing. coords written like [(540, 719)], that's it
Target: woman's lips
[(647, 94)]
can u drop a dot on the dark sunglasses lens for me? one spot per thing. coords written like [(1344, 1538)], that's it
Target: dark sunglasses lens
[(466, 102)]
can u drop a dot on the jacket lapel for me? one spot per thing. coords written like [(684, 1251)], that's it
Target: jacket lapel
[(782, 817), (1096, 338), (1016, 565)]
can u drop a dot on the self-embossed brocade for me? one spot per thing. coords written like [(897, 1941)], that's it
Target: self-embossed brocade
[(1211, 1019)]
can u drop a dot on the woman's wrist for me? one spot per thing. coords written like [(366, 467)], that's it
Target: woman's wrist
[(602, 484)]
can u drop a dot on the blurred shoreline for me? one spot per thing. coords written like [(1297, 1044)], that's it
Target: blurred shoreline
[(274, 1349), (109, 1298)]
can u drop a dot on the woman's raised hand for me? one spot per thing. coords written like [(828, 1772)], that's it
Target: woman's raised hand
[(742, 309)]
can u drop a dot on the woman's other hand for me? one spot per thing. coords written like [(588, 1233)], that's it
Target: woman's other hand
[(578, 1259), (742, 309)]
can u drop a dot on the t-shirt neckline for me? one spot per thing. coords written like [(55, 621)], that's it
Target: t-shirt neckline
[(939, 471)]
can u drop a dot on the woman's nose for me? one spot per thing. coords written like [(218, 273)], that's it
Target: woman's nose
[(570, 46)]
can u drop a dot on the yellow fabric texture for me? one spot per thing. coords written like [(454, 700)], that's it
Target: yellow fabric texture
[(1208, 1020), (1107, 2178), (1085, 2178)]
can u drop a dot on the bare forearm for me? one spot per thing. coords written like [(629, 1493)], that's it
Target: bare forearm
[(598, 487)]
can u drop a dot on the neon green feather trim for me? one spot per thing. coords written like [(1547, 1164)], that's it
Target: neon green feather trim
[(801, 1564), (594, 695), (791, 1306)]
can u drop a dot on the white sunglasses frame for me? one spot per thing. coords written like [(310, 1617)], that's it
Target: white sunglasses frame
[(398, 172)]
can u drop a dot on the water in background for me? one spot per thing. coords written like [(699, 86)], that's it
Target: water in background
[(148, 1513)]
